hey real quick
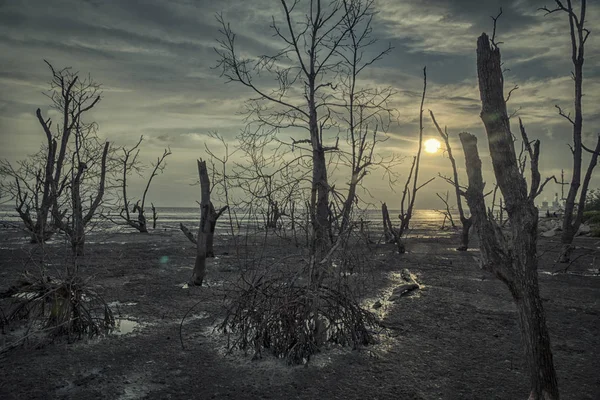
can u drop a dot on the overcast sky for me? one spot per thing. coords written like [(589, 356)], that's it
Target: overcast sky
[(156, 62)]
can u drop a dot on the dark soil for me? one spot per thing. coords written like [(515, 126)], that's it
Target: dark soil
[(456, 338)]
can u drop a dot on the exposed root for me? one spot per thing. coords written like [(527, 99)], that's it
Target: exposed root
[(293, 321), (66, 307)]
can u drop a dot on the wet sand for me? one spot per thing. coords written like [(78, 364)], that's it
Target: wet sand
[(456, 338)]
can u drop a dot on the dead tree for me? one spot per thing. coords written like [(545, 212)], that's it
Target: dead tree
[(574, 207), (41, 182), (447, 213), (511, 257), (270, 181), (388, 229), (74, 219), (409, 196), (206, 227), (458, 190), (86, 175), (128, 162), (309, 63), (367, 115)]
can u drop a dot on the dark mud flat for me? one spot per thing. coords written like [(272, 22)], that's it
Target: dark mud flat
[(457, 338)]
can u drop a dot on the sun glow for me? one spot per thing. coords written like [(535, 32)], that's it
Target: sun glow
[(432, 145)]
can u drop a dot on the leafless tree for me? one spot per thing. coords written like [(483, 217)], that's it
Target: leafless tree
[(511, 257), (206, 227), (270, 180), (574, 206), (73, 217), (129, 162), (458, 190), (39, 183), (305, 69), (446, 212), (409, 194), (366, 113)]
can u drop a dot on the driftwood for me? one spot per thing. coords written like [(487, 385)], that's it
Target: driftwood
[(405, 288)]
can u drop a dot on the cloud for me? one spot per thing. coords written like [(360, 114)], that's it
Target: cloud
[(156, 62)]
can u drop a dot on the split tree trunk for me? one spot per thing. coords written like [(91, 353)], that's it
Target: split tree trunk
[(512, 258), (206, 228), (75, 228), (391, 235), (142, 224), (515, 263)]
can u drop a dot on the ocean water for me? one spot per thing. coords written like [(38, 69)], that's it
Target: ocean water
[(169, 219)]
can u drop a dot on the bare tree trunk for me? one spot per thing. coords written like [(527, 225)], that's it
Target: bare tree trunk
[(464, 234), (535, 339), (392, 235), (574, 209), (154, 216), (466, 222), (387, 224), (515, 263), (319, 195), (78, 229), (206, 228), (347, 207), (141, 223), (42, 231), (512, 259)]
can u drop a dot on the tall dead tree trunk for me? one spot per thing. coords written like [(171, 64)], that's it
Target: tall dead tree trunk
[(511, 258), (206, 228), (574, 208), (41, 231)]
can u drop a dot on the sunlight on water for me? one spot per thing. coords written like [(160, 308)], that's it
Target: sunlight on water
[(171, 217)]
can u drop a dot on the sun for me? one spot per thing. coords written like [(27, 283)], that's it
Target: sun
[(432, 145)]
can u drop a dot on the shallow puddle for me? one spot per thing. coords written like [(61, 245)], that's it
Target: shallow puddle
[(124, 326), (119, 304)]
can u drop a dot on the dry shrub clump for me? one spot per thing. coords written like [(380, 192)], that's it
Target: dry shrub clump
[(284, 314), (66, 307)]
